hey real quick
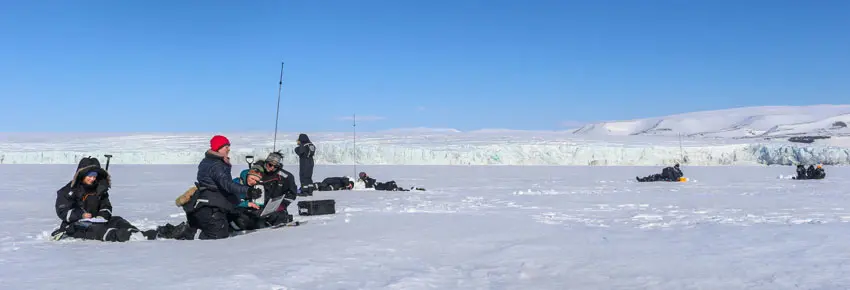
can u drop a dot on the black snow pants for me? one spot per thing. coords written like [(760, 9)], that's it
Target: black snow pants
[(211, 221), (305, 171), (652, 178), (388, 186), (117, 229)]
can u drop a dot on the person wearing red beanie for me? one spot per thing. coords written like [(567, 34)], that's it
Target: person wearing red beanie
[(209, 208), (218, 142)]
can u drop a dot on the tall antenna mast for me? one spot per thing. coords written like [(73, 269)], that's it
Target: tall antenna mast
[(681, 149), (354, 126), (277, 115)]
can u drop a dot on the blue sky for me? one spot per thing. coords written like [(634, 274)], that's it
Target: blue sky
[(131, 66)]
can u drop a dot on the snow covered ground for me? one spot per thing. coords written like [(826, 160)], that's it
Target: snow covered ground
[(478, 227)]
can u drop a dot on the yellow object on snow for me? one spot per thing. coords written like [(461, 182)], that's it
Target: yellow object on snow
[(683, 179)]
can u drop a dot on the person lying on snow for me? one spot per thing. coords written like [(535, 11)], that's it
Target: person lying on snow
[(305, 151), (811, 173), (388, 186), (85, 210), (248, 212), (210, 208), (335, 183), (672, 174)]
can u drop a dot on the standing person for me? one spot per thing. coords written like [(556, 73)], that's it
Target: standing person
[(305, 150), (211, 207)]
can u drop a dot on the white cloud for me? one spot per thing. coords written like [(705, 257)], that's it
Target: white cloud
[(361, 118)]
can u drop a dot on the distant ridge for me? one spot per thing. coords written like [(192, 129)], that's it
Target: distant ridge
[(746, 122)]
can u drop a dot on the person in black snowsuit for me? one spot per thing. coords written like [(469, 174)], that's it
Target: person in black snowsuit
[(801, 172), (250, 214), (86, 196), (211, 208), (335, 183), (277, 182), (305, 151), (388, 186), (671, 174)]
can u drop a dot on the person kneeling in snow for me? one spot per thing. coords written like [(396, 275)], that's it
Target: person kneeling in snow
[(85, 210), (209, 208), (388, 186), (248, 213), (672, 174)]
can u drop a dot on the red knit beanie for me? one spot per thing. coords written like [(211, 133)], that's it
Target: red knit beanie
[(218, 141)]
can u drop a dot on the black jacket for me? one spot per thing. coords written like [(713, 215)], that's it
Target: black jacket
[(278, 182), (215, 184), (369, 182), (671, 173), (306, 150), (336, 183), (75, 198), (815, 173), (305, 153)]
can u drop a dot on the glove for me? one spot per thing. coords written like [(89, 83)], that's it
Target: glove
[(254, 193)]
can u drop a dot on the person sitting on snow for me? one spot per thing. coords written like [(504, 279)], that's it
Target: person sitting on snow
[(248, 212), (388, 186), (85, 210), (815, 172), (671, 174), (276, 180)]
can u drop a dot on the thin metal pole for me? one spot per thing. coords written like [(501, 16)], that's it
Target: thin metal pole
[(354, 125), (277, 115)]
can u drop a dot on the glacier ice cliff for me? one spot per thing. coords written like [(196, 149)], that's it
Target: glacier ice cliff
[(424, 149)]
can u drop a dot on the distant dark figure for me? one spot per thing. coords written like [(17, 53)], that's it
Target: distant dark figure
[(387, 186), (801, 172), (305, 151), (816, 172), (811, 173), (671, 174)]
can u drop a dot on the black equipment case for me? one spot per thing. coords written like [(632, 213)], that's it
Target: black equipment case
[(317, 207)]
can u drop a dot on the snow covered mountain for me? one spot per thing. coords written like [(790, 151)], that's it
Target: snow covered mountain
[(742, 136), (748, 122)]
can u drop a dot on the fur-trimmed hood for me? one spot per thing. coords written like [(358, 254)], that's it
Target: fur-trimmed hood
[(102, 175), (216, 154)]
